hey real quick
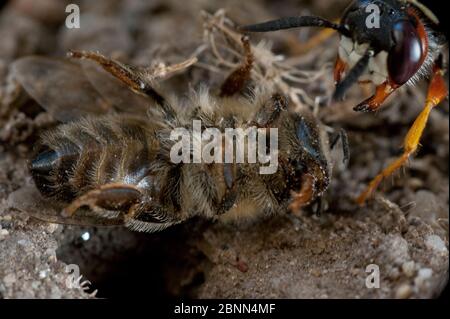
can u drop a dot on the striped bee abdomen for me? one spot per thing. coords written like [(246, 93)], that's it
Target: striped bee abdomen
[(85, 154)]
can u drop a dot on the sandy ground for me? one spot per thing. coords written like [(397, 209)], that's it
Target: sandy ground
[(403, 231)]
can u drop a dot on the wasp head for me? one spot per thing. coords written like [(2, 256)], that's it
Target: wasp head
[(395, 27), (390, 26)]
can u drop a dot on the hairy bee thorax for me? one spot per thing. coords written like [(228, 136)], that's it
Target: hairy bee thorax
[(81, 156)]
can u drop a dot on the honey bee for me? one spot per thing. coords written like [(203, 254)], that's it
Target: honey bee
[(111, 154), (404, 46)]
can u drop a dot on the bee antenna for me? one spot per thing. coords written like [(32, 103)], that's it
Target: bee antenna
[(294, 22), (353, 75)]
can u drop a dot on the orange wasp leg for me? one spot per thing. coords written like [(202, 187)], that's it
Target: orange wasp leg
[(382, 92), (436, 93), (114, 196), (339, 68)]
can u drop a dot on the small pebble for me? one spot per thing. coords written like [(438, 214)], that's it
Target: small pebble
[(86, 236), (9, 280), (43, 274), (355, 272), (3, 233), (51, 228), (403, 292), (434, 242), (22, 242), (319, 247), (316, 272), (423, 275), (393, 273), (408, 268), (35, 284)]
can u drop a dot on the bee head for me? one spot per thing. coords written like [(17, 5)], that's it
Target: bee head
[(304, 144)]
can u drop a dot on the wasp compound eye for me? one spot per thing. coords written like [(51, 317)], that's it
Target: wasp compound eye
[(405, 58)]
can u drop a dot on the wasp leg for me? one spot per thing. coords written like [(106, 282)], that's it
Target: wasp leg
[(339, 68), (382, 92), (237, 80), (116, 197), (304, 196), (342, 136), (436, 93)]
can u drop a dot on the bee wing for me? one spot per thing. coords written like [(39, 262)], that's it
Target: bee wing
[(60, 87), (28, 200), (115, 91)]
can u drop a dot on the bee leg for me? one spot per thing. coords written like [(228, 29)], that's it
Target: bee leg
[(436, 93), (382, 92), (237, 80), (117, 197), (319, 206), (304, 196), (231, 193), (270, 110), (137, 79), (150, 217)]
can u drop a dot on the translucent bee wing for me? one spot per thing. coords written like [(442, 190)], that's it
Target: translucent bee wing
[(28, 200), (82, 218), (60, 87), (115, 91)]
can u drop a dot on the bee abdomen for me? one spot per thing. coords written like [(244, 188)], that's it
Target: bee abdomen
[(51, 168), (84, 155)]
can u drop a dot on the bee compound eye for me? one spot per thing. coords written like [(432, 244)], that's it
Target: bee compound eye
[(406, 56)]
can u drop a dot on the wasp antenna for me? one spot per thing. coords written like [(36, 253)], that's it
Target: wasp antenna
[(294, 22), (352, 75)]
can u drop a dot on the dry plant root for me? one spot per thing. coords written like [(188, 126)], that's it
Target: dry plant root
[(267, 69)]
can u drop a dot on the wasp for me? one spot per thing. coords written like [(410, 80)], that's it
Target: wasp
[(110, 160), (405, 47)]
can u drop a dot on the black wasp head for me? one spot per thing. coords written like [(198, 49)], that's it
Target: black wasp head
[(391, 26), (373, 22)]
